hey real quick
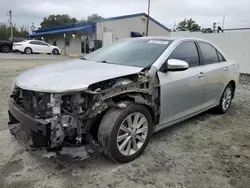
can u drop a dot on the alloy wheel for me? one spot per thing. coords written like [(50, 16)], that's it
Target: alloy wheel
[(227, 98), (132, 134)]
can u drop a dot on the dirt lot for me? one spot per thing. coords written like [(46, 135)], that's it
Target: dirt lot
[(206, 151)]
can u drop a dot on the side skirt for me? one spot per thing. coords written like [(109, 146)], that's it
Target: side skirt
[(163, 126)]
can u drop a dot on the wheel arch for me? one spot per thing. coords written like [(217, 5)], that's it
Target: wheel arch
[(93, 125), (233, 84)]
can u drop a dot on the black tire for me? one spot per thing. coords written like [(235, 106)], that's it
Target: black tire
[(220, 108), (5, 49), (55, 52), (28, 50), (109, 127)]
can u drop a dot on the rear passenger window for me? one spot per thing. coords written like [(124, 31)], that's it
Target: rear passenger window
[(221, 58), (186, 51), (209, 53)]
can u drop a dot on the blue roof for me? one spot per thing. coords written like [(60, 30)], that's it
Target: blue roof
[(88, 28), (132, 16)]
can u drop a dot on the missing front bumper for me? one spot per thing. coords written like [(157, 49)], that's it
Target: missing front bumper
[(26, 128)]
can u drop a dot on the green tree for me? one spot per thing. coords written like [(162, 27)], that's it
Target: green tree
[(57, 20), (188, 25), (17, 32), (94, 17)]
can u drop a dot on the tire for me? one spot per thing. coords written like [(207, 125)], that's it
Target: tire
[(55, 52), (226, 99), (5, 49), (110, 128), (28, 50)]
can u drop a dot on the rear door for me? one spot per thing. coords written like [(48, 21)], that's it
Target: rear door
[(215, 72), (182, 91), (44, 47), (39, 46), (34, 45)]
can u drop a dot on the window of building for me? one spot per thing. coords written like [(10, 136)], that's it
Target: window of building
[(186, 51), (54, 42), (67, 41)]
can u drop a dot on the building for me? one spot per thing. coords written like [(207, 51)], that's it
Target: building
[(86, 36)]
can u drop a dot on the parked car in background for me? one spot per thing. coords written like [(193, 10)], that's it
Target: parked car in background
[(17, 39), (117, 96), (5, 46), (36, 46)]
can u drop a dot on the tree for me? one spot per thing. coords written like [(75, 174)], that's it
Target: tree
[(32, 27), (207, 30), (188, 25), (94, 17), (17, 32), (57, 20)]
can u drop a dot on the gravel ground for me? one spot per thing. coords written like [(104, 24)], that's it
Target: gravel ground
[(206, 151), (19, 56)]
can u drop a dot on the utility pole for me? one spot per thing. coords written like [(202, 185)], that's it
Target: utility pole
[(148, 18), (11, 27), (174, 25), (214, 27), (223, 21)]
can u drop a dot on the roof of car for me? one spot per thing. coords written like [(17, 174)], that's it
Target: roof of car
[(173, 38)]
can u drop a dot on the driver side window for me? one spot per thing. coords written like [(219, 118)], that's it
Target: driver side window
[(186, 51)]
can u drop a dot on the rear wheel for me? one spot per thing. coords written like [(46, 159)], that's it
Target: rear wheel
[(124, 133), (5, 49), (28, 50), (55, 52), (226, 99)]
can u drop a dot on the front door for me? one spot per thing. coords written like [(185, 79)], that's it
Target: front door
[(182, 91)]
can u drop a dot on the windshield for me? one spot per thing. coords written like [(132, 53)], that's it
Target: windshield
[(135, 52)]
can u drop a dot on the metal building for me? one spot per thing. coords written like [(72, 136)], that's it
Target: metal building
[(85, 37)]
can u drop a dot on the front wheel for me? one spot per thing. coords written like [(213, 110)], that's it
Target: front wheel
[(226, 99), (124, 133)]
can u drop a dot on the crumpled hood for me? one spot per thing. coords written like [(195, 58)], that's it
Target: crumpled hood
[(73, 75)]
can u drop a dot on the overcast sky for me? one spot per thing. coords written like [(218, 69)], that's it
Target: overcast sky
[(204, 12)]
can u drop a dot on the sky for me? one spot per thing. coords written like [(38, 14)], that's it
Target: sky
[(204, 12)]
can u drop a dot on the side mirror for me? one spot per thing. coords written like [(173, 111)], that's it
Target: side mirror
[(176, 65)]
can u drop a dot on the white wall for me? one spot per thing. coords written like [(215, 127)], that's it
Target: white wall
[(74, 42), (235, 44), (122, 28)]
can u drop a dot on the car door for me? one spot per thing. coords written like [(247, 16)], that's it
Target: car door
[(182, 91), (215, 72), (35, 46), (44, 47)]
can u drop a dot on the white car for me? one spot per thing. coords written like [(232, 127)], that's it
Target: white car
[(35, 46)]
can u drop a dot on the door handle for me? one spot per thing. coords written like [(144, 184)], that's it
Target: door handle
[(201, 75), (226, 69)]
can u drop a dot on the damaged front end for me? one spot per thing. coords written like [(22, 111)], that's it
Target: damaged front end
[(57, 120)]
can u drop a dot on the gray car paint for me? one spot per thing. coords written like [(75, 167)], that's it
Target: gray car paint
[(73, 75), (183, 94)]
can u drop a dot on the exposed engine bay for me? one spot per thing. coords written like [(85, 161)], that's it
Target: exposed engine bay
[(73, 117)]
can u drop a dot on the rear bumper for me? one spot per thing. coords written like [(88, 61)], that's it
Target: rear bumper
[(25, 127)]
